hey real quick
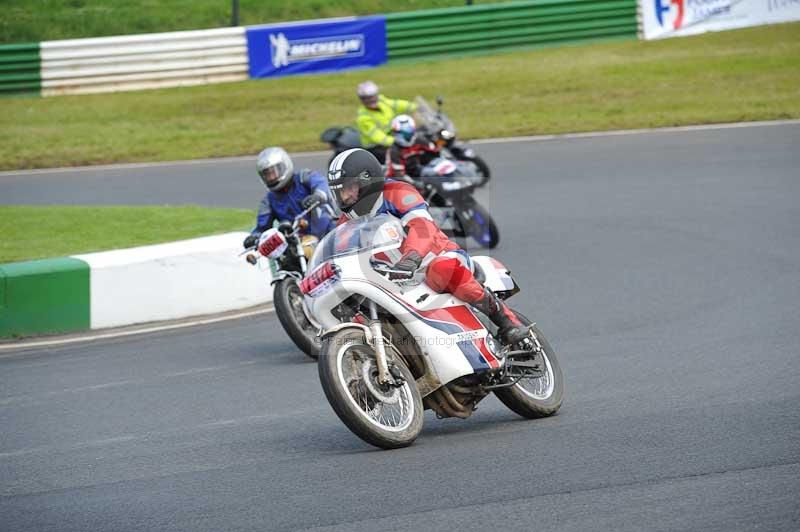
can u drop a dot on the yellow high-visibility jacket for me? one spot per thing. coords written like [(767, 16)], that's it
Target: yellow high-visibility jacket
[(374, 124)]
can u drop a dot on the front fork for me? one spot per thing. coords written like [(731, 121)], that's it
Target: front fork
[(384, 377)]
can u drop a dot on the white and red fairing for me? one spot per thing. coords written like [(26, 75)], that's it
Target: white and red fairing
[(447, 331)]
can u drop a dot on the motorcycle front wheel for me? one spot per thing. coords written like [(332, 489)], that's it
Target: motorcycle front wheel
[(539, 396), (288, 301), (382, 415)]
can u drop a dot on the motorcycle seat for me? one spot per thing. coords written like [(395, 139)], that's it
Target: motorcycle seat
[(331, 134)]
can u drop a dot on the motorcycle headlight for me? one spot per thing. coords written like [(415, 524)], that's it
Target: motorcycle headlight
[(446, 134)]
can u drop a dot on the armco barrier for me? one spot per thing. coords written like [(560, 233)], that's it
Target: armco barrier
[(128, 286), (147, 61), (482, 28), (20, 69), (44, 296), (174, 280)]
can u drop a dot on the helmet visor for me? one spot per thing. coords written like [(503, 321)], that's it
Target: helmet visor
[(346, 193), (370, 101), (272, 174)]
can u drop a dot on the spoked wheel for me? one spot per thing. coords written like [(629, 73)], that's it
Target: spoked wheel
[(386, 416), (288, 300), (479, 224), (541, 393)]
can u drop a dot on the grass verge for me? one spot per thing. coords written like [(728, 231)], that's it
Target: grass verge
[(750, 74), (40, 232), (43, 20)]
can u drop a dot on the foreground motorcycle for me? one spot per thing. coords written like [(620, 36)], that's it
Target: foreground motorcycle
[(450, 185), (434, 124), (288, 252), (391, 347)]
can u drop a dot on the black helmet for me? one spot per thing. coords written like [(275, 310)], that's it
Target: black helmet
[(356, 166)]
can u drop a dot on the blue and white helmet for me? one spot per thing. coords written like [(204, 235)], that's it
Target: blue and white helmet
[(403, 129)]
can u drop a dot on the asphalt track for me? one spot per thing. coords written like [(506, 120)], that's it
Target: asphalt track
[(664, 268)]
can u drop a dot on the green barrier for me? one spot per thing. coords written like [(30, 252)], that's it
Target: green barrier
[(44, 296), (20, 69), (488, 27)]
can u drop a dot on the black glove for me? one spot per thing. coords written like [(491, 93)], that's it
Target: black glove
[(309, 200), (408, 262), (250, 241)]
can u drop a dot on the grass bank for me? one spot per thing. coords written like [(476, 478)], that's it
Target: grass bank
[(41, 232), (44, 20), (751, 74)]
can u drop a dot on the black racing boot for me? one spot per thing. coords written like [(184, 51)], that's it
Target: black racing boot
[(510, 329)]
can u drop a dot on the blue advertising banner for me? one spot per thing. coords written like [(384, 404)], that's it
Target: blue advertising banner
[(321, 46)]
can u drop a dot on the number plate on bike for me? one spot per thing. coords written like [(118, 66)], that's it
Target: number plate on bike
[(272, 244)]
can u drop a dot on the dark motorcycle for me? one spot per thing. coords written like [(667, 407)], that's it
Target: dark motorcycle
[(341, 139), (448, 188), (286, 250), (437, 126), (433, 125)]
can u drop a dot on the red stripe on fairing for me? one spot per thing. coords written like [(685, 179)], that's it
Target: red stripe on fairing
[(480, 343), (497, 264), (459, 315), (463, 316)]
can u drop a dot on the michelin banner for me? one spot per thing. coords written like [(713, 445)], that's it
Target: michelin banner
[(675, 18), (316, 46)]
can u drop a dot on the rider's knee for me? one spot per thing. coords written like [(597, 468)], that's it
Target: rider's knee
[(445, 274)]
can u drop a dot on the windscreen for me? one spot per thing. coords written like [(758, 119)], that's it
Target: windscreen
[(367, 233)]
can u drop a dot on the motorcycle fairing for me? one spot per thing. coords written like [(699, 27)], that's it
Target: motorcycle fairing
[(460, 324), (455, 320), (498, 277)]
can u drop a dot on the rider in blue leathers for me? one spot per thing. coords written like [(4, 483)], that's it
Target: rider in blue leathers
[(290, 193)]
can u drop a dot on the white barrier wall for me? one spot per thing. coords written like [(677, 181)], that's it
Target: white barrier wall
[(131, 62), (175, 280), (676, 18)]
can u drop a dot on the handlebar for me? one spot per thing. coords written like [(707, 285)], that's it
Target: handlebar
[(287, 228)]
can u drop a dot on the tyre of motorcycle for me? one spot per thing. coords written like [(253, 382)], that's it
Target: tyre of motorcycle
[(288, 301), (539, 397), (478, 223), (483, 168), (385, 416)]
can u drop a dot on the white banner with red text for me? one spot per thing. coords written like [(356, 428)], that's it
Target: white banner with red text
[(675, 18)]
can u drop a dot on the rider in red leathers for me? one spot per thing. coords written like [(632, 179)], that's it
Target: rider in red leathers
[(359, 187)]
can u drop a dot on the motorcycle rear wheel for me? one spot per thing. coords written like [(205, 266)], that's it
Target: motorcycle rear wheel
[(288, 301), (537, 397), (384, 416), (480, 225)]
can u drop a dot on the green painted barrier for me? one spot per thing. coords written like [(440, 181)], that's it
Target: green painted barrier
[(20, 69), (488, 27), (44, 296)]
